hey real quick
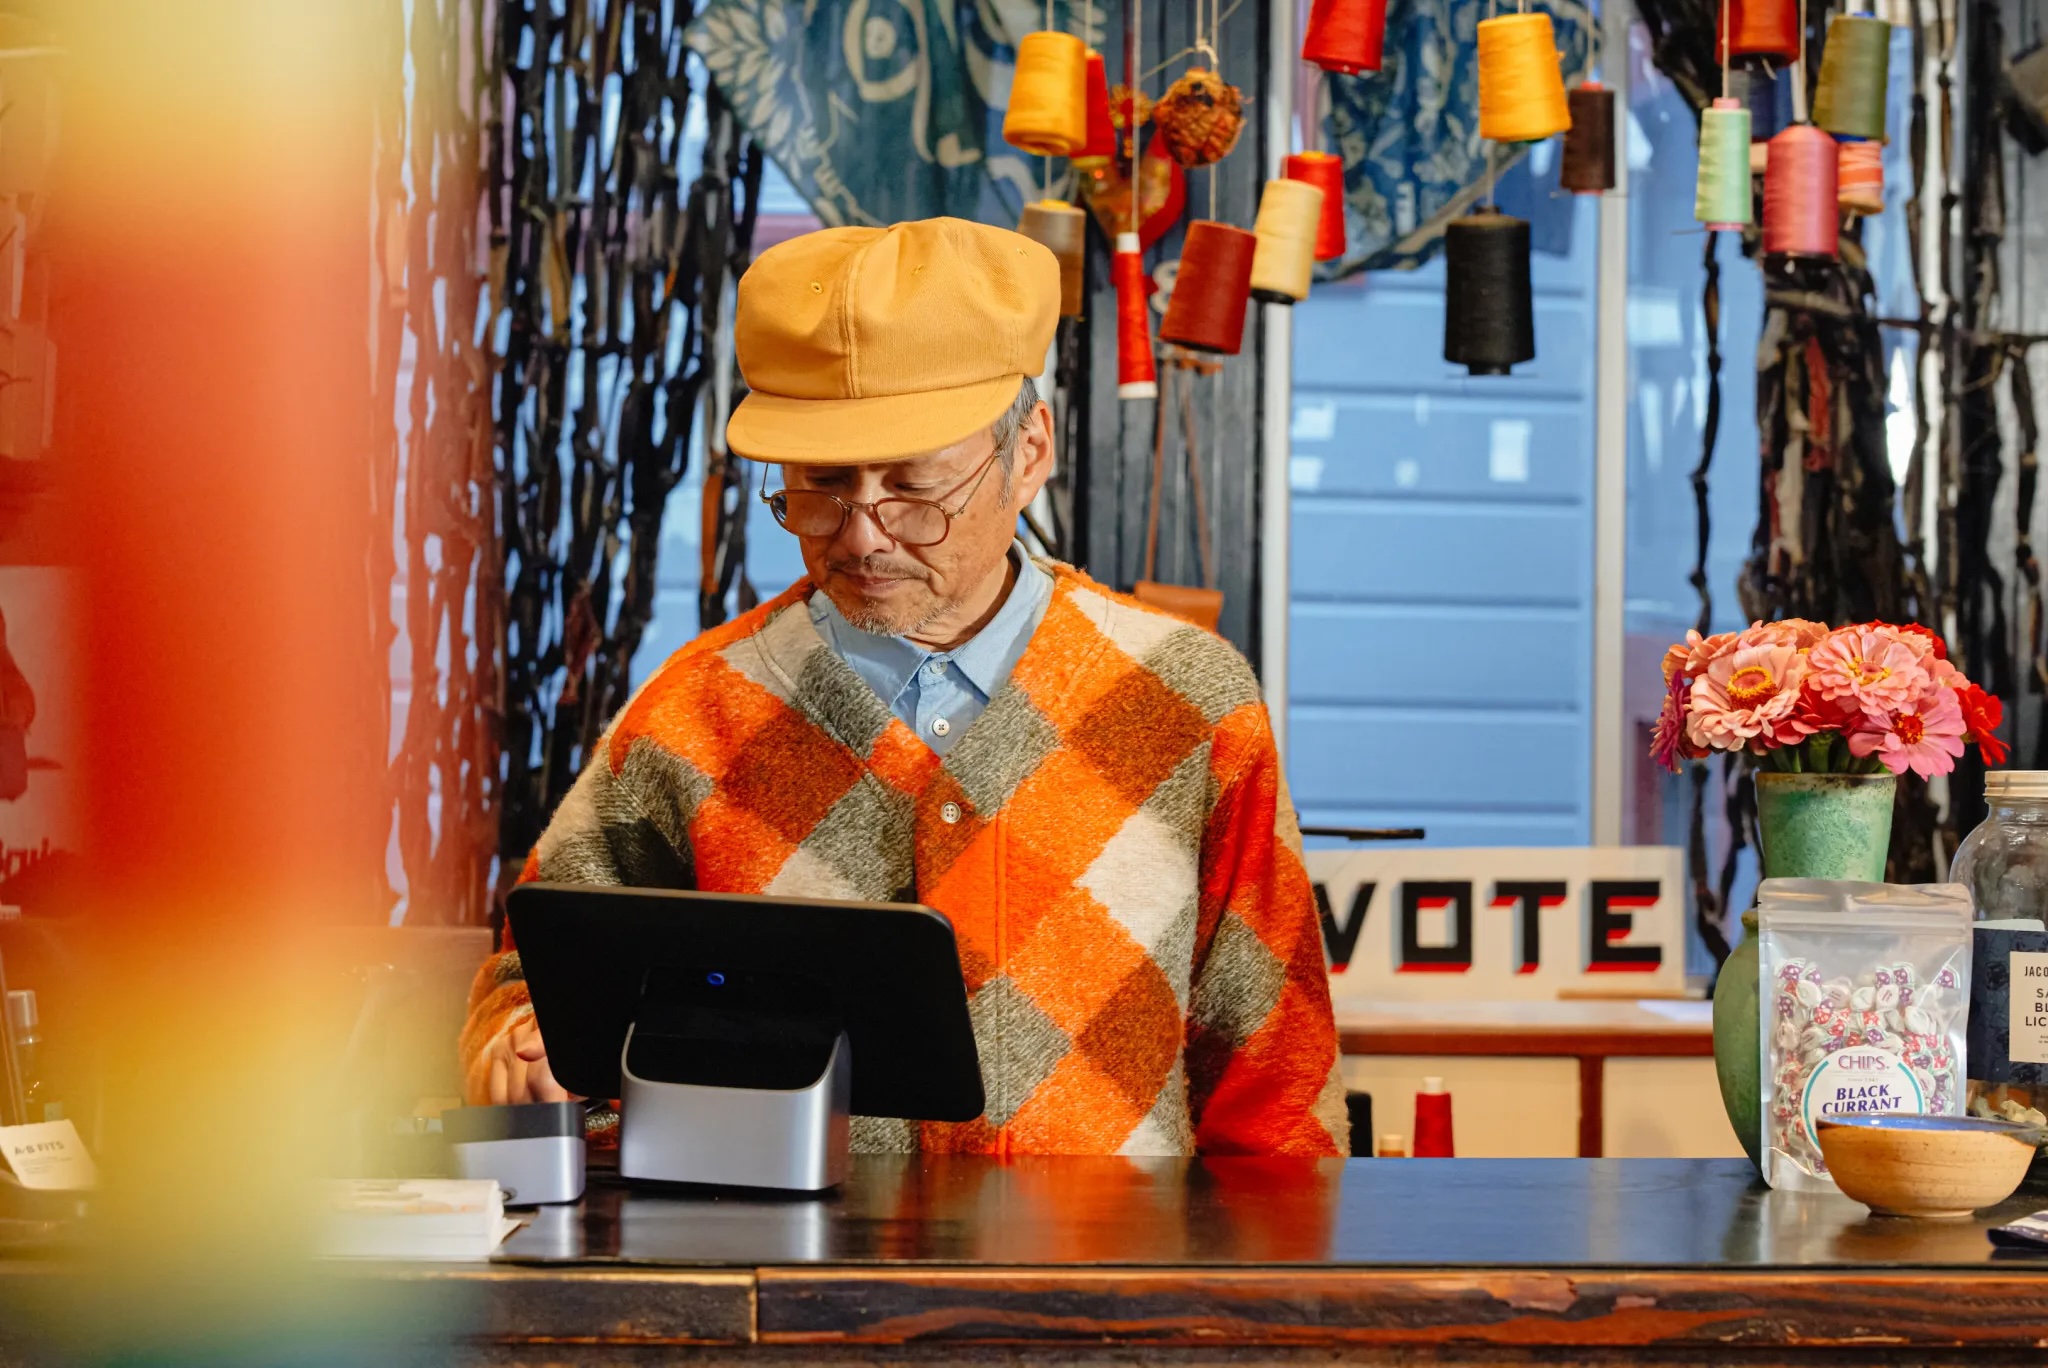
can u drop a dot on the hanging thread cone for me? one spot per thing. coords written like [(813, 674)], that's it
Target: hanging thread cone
[(1859, 177), (1048, 113), (1854, 69), (1325, 171), (1064, 229), (1724, 198), (1587, 167), (1768, 97), (1758, 31), (1136, 376), (1212, 289), (1489, 317), (1290, 213), (1800, 214), (1099, 145), (1347, 36), (1521, 80)]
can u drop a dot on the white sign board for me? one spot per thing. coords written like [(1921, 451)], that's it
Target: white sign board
[(1431, 924)]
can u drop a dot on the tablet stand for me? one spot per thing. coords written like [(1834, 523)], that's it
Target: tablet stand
[(716, 1106)]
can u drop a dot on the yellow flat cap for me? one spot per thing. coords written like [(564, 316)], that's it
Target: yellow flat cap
[(873, 344)]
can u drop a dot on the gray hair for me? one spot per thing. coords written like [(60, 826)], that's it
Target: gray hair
[(1006, 428)]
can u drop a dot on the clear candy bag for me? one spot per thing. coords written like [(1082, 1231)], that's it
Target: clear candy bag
[(1863, 999)]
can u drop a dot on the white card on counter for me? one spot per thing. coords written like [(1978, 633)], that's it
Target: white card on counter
[(47, 1155)]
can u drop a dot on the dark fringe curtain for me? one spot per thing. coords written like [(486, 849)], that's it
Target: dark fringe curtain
[(432, 473), (1828, 542), (610, 263)]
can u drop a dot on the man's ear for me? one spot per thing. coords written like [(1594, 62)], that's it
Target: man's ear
[(1034, 457)]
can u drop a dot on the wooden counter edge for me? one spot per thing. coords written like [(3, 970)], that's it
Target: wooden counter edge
[(1516, 1042), (586, 1303), (1504, 1308)]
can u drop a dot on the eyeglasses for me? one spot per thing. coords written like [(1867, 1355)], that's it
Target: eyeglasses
[(911, 522)]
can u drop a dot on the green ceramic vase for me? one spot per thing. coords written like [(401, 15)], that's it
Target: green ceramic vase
[(1815, 826)]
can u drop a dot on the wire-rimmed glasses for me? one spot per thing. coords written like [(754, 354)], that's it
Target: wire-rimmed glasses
[(910, 522)]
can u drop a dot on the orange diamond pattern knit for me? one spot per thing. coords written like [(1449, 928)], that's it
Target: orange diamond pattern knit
[(1122, 869)]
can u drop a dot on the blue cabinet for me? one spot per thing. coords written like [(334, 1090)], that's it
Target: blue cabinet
[(1440, 653)]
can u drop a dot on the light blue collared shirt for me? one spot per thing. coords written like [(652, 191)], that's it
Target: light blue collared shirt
[(938, 694)]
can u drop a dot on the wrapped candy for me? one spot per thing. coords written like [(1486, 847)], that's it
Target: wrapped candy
[(1865, 1012)]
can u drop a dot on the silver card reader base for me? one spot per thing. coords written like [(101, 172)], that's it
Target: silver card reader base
[(790, 1139)]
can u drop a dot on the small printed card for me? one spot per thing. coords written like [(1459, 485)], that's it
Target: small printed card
[(47, 1155)]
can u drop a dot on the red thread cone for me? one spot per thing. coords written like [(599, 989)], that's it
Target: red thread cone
[(1346, 35)]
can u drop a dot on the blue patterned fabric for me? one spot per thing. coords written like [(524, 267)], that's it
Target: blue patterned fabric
[(1409, 133), (881, 110), (884, 110)]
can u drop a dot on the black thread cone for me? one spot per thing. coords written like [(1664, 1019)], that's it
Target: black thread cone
[(1489, 324)]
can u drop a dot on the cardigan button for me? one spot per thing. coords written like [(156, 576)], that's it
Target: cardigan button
[(950, 813)]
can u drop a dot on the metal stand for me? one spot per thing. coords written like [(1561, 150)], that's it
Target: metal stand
[(676, 1128)]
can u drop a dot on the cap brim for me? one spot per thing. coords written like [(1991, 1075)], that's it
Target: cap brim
[(885, 427)]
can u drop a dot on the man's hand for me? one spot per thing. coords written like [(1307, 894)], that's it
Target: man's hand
[(519, 1068)]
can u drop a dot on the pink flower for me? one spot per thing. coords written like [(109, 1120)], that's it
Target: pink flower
[(1922, 641), (1925, 738), (1749, 695), (1944, 673), (1871, 666), (1701, 652), (1796, 632), (1670, 744)]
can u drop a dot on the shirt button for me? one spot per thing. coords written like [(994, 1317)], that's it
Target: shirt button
[(940, 726), (950, 813), (935, 668)]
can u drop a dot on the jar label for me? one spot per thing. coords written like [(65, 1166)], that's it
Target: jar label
[(2027, 1038), (1856, 1083)]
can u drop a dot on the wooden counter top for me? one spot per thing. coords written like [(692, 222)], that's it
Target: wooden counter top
[(1243, 1261), (1230, 1213)]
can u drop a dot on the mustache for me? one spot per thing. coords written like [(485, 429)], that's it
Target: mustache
[(871, 568)]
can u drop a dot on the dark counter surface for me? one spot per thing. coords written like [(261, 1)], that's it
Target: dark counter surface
[(1563, 1213), (1088, 1263)]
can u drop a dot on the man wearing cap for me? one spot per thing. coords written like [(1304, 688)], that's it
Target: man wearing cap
[(1088, 789)]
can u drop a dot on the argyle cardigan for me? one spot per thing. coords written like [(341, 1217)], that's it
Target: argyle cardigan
[(1111, 839)]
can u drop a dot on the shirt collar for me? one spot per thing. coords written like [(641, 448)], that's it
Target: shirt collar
[(889, 663)]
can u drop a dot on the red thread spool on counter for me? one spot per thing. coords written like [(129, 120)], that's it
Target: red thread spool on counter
[(1801, 216), (1764, 31), (1325, 171), (1346, 35), (1101, 143), (1136, 377), (1212, 289), (1433, 1121)]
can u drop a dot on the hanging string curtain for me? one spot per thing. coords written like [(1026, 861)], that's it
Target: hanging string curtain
[(1408, 134)]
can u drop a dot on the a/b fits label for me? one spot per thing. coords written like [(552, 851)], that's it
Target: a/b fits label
[(2027, 1038), (1857, 1083)]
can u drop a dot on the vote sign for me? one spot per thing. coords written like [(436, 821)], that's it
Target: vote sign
[(1500, 924)]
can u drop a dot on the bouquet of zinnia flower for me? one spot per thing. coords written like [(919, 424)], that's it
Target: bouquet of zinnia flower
[(1801, 696)]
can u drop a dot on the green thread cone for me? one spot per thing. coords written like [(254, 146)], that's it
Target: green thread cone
[(1855, 68), (1724, 186)]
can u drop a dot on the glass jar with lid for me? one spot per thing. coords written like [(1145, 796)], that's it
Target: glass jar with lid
[(2004, 862)]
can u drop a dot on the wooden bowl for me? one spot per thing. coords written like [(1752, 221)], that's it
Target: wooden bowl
[(1943, 1167)]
